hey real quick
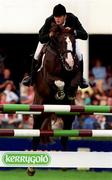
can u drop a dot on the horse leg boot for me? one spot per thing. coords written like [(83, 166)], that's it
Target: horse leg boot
[(83, 83), (36, 63)]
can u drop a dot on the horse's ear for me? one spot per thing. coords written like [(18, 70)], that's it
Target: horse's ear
[(53, 27)]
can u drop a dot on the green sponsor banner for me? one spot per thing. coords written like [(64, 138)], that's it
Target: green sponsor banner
[(26, 159), (51, 159)]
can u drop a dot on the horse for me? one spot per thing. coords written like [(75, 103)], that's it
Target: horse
[(58, 75)]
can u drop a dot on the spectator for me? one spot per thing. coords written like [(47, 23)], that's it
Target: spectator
[(28, 97), (103, 98), (100, 74), (95, 101), (78, 122), (108, 85), (108, 122), (109, 98), (87, 98), (11, 121), (101, 120), (3, 98), (75, 124), (11, 96), (5, 77), (90, 123), (26, 122), (3, 117), (78, 98)]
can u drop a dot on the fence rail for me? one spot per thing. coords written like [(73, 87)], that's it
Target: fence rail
[(55, 108), (55, 133)]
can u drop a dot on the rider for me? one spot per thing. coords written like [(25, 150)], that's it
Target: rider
[(68, 20)]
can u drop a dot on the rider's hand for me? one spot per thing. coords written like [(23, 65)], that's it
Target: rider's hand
[(69, 30)]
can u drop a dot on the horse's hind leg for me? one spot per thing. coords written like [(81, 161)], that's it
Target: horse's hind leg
[(35, 141), (67, 125), (36, 125)]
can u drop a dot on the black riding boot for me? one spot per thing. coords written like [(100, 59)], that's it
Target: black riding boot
[(83, 83), (29, 80)]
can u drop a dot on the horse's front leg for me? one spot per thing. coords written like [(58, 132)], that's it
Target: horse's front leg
[(75, 80), (58, 85), (73, 86), (60, 95)]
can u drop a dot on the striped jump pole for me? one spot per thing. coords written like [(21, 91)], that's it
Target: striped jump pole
[(5, 108), (54, 133), (62, 113)]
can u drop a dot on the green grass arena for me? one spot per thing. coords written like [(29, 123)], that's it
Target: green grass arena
[(49, 174)]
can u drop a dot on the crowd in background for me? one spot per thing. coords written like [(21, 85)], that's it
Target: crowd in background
[(10, 94), (99, 94)]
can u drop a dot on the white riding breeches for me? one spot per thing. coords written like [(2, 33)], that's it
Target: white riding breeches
[(40, 46), (38, 49)]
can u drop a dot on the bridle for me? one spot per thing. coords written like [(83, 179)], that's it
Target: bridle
[(55, 47), (61, 55), (64, 63)]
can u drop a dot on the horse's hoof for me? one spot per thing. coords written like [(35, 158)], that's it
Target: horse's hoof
[(64, 169), (30, 171)]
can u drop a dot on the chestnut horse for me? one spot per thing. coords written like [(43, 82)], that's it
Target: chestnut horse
[(58, 75)]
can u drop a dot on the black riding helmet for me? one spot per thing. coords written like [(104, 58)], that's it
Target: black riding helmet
[(59, 10)]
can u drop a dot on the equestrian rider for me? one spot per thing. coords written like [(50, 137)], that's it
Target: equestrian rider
[(68, 20)]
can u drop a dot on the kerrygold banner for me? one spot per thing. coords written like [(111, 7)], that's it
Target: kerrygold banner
[(55, 159), (26, 159)]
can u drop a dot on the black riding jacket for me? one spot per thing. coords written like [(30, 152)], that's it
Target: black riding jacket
[(71, 21)]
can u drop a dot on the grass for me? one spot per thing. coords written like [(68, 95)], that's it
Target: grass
[(20, 174)]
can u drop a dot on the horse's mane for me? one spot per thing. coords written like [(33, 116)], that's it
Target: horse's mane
[(55, 28)]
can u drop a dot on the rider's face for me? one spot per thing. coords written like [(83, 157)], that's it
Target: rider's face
[(59, 19)]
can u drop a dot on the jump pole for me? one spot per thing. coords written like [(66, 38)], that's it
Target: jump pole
[(54, 133), (55, 159), (55, 108), (60, 113)]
